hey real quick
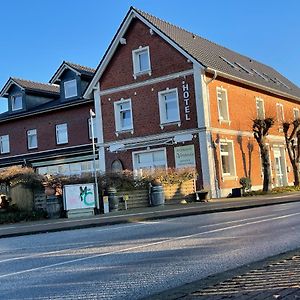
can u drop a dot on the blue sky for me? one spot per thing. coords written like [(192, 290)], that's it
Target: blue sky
[(37, 35)]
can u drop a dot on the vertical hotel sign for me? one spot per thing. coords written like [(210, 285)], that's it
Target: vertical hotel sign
[(186, 100)]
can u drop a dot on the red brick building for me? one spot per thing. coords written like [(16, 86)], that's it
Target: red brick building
[(165, 97), (47, 125)]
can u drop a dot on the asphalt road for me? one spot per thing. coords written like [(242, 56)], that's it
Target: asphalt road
[(137, 260)]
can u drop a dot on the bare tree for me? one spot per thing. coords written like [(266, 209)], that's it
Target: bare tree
[(292, 141), (261, 129)]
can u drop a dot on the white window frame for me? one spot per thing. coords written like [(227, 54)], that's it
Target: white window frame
[(32, 132), (162, 107), (258, 99), (4, 148), (282, 115), (231, 156), (58, 128), (296, 113), (136, 63), (66, 91), (117, 112), (221, 118), (13, 98), (136, 169)]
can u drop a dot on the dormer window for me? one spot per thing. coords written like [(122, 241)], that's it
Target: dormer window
[(16, 102), (141, 61), (70, 88)]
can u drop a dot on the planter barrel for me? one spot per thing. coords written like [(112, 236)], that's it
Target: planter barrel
[(113, 200), (157, 195)]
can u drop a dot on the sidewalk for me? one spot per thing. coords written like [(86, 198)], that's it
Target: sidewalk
[(274, 278), (147, 213)]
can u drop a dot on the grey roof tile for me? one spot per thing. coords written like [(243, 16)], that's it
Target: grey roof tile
[(210, 55), (81, 69), (37, 86)]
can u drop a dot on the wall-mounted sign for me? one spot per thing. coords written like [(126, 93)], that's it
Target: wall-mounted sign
[(78, 196), (186, 99), (184, 156)]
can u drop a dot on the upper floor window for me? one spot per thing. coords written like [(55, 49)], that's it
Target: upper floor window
[(280, 115), (32, 139), (227, 158), (70, 88), (169, 106), (141, 61), (260, 109), (123, 115), (16, 102), (296, 113), (61, 133), (4, 144), (222, 104)]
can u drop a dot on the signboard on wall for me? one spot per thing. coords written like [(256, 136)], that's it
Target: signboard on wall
[(78, 196), (184, 156)]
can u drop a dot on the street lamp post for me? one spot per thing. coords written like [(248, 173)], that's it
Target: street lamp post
[(92, 116)]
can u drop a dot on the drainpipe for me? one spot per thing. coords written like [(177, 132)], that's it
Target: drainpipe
[(207, 82)]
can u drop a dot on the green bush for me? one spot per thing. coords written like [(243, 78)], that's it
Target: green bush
[(13, 215)]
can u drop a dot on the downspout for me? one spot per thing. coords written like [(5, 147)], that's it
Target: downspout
[(217, 189)]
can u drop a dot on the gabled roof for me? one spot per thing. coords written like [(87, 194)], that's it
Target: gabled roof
[(29, 85), (211, 56), (78, 69)]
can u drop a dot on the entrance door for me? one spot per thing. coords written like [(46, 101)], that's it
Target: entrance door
[(279, 167)]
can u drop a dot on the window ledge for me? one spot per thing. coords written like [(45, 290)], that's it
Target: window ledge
[(162, 125), (224, 121), (149, 72), (229, 177), (124, 131)]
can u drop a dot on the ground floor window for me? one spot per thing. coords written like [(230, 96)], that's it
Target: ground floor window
[(227, 158), (77, 168), (149, 160)]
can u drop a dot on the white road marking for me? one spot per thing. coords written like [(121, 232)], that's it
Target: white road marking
[(147, 245)]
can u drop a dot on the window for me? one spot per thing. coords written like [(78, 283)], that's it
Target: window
[(4, 144), (260, 110), (280, 116), (62, 133), (32, 139), (149, 160), (123, 115), (70, 88), (141, 61), (169, 106), (296, 113), (16, 102), (227, 158), (222, 104), (90, 128)]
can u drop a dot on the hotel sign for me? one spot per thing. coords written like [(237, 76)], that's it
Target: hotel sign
[(184, 156), (186, 100)]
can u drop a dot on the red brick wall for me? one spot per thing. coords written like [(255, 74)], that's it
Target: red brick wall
[(164, 58), (145, 108), (75, 117), (242, 110)]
